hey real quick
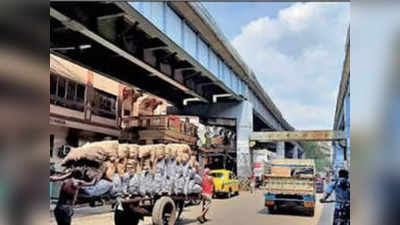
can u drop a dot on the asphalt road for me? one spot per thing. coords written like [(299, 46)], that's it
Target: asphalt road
[(241, 210)]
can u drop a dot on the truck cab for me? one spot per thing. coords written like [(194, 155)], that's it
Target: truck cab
[(225, 183)]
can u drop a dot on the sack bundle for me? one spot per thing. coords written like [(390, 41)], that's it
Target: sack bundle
[(85, 153), (132, 162), (110, 148), (130, 169)]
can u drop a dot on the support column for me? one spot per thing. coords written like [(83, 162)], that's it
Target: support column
[(280, 150), (201, 161), (338, 157), (243, 113), (295, 152)]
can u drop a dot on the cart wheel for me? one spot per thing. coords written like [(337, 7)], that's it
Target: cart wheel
[(164, 212)]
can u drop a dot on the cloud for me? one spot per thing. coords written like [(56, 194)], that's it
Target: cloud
[(298, 59)]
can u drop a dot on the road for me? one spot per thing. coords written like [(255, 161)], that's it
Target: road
[(241, 210)]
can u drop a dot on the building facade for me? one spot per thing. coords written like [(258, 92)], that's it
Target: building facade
[(86, 106)]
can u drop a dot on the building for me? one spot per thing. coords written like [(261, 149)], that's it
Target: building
[(86, 106)]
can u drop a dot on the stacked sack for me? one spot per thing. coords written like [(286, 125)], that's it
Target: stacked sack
[(130, 169)]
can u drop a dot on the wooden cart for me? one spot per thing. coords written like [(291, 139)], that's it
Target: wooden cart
[(164, 209)]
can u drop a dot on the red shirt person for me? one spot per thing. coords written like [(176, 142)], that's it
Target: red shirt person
[(208, 188)]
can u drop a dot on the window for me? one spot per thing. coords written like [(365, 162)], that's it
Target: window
[(61, 87), (217, 175), (104, 104), (71, 90), (66, 93), (53, 84), (80, 93)]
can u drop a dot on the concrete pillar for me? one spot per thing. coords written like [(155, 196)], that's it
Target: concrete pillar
[(280, 150), (201, 162), (338, 157), (243, 113), (295, 152)]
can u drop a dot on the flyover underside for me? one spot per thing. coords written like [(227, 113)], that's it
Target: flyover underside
[(101, 38), (118, 42)]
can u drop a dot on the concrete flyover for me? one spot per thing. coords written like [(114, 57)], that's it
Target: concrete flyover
[(173, 50), (341, 151)]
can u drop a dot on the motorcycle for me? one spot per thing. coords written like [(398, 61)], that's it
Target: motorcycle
[(343, 215)]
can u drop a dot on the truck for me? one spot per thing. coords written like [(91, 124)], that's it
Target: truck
[(261, 157), (290, 183)]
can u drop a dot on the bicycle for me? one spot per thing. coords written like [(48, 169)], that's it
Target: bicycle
[(343, 214)]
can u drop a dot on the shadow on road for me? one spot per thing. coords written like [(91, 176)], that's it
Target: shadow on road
[(188, 221), (285, 211)]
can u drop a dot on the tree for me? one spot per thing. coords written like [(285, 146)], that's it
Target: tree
[(312, 151)]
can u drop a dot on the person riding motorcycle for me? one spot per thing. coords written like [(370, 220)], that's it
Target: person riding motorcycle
[(341, 186)]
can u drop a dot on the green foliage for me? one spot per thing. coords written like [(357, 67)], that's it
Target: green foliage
[(312, 151)]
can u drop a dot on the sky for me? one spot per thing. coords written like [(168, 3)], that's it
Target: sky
[(296, 51)]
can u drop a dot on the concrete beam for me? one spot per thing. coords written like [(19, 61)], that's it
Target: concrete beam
[(134, 16), (76, 26), (316, 135)]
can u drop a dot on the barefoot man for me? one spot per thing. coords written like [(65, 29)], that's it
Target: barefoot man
[(208, 187), (68, 195)]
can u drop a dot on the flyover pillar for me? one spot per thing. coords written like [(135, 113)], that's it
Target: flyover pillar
[(243, 113), (295, 152), (280, 149)]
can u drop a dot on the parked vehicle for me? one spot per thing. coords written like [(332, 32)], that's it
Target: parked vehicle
[(291, 182), (225, 183)]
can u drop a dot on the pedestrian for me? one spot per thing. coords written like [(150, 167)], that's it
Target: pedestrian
[(72, 182), (208, 187), (252, 183)]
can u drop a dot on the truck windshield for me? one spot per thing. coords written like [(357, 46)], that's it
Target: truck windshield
[(217, 175)]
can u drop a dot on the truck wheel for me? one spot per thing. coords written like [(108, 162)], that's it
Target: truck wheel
[(164, 211)]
